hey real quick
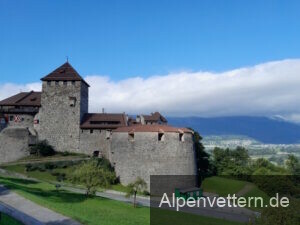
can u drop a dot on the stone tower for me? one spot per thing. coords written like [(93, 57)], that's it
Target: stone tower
[(64, 101)]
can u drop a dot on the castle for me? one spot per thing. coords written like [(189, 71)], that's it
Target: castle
[(136, 147)]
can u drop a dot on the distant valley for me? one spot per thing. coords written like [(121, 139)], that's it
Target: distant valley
[(263, 137)]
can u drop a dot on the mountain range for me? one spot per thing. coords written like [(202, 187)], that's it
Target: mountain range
[(263, 129)]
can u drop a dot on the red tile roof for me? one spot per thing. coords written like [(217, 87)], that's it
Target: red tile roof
[(152, 128), (64, 73), (103, 121), (155, 117), (23, 99)]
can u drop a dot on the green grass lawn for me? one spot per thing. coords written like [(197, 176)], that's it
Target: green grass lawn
[(256, 192), (222, 186), (167, 217), (48, 177), (7, 220), (45, 176), (92, 211)]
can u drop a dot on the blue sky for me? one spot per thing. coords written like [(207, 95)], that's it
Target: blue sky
[(124, 39), (182, 58)]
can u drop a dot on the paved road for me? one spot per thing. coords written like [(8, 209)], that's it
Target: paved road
[(233, 214), (28, 212), (114, 195)]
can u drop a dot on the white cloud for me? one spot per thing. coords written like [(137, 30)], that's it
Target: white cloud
[(266, 90), (9, 89)]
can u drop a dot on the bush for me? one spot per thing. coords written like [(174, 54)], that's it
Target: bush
[(50, 166), (29, 167), (42, 148)]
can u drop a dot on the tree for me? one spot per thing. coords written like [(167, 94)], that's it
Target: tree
[(231, 162), (202, 157), (92, 175), (280, 215), (293, 165), (139, 185)]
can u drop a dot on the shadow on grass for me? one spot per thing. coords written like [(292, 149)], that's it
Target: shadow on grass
[(20, 181), (51, 195), (62, 222)]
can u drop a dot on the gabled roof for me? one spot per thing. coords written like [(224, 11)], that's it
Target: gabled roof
[(103, 121), (23, 99), (152, 128), (64, 73), (154, 117)]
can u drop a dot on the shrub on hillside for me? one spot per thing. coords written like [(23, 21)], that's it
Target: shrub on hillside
[(42, 148), (93, 174)]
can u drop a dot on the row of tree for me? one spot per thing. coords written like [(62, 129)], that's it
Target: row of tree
[(268, 177)]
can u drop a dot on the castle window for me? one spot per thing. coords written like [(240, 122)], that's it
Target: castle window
[(108, 133), (161, 136), (56, 83), (181, 137), (72, 101), (48, 83), (91, 131), (131, 136), (73, 82), (96, 154), (65, 83)]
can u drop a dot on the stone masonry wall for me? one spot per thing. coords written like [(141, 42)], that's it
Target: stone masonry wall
[(26, 120), (13, 144), (98, 140), (59, 121), (147, 156)]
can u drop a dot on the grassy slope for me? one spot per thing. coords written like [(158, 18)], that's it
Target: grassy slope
[(92, 210), (7, 220), (222, 186), (47, 176), (256, 192), (87, 210), (167, 217)]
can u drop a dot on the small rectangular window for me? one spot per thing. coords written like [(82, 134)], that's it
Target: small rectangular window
[(72, 101), (161, 137), (181, 137), (131, 136), (108, 134), (91, 131), (48, 83), (11, 118)]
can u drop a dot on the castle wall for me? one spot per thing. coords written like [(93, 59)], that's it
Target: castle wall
[(25, 121), (84, 100), (147, 156), (14, 144), (63, 105), (98, 140)]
